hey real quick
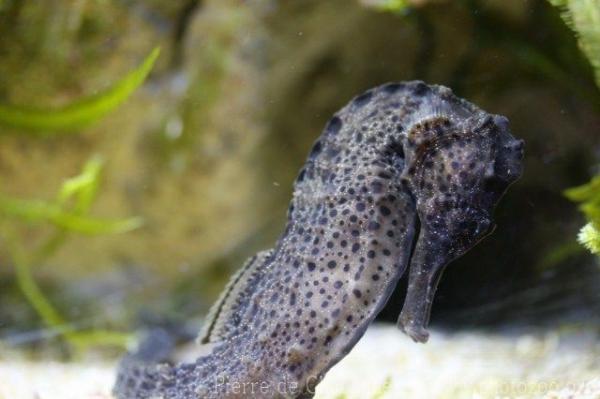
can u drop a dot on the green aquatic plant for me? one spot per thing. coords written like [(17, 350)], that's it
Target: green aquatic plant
[(66, 214), (589, 197), (80, 113), (393, 6), (383, 389), (583, 16), (380, 393), (589, 236)]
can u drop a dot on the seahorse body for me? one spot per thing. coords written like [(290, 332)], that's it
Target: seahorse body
[(405, 175)]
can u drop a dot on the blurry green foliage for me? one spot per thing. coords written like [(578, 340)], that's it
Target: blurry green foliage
[(379, 393), (583, 16), (42, 211), (589, 197), (81, 113), (589, 236), (383, 389), (394, 6), (66, 214)]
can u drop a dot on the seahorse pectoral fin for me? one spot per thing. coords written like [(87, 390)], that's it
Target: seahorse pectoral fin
[(426, 267)]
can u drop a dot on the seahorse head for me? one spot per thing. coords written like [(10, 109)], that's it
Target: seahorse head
[(459, 166), (458, 170)]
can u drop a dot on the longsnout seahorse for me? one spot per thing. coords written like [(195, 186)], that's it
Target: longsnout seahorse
[(406, 175)]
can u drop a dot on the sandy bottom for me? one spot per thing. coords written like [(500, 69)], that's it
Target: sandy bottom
[(386, 364)]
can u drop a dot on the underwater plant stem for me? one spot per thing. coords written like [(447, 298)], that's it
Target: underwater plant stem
[(49, 247), (31, 289), (79, 340), (82, 340)]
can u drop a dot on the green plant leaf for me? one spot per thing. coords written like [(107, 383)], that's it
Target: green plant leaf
[(585, 192), (589, 196), (81, 113), (28, 285), (393, 6), (41, 211), (583, 16), (84, 186)]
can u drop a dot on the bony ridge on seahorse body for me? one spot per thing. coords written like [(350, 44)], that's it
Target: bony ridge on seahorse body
[(405, 175)]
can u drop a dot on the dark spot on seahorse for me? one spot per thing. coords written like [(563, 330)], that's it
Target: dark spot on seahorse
[(421, 89), (147, 385), (392, 87), (300, 177), (395, 148), (316, 149), (373, 226), (363, 99), (334, 126), (376, 187)]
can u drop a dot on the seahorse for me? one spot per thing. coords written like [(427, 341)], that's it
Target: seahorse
[(406, 175)]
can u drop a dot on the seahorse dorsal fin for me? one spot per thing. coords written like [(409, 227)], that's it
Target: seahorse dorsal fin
[(220, 323)]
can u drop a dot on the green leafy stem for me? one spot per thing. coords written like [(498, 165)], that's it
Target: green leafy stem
[(80, 113), (66, 214), (588, 195)]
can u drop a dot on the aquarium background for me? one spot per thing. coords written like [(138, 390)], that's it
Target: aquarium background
[(147, 148)]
